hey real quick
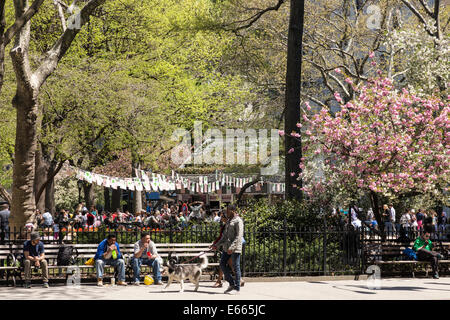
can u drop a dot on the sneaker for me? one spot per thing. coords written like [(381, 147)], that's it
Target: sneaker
[(27, 285), (122, 283), (45, 285), (137, 283), (436, 276), (99, 283), (234, 292), (158, 283), (229, 289)]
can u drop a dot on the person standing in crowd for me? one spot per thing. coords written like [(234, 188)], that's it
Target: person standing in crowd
[(405, 220), (145, 253), (434, 221), (34, 255), (442, 221), (4, 222), (388, 226), (423, 246), (420, 219), (231, 245), (39, 218), (393, 217), (414, 224), (48, 219)]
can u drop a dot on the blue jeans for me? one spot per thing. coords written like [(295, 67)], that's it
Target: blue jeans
[(118, 264), (389, 227), (236, 260), (137, 262)]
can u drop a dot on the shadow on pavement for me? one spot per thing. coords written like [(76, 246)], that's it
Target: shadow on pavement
[(395, 288), (362, 292)]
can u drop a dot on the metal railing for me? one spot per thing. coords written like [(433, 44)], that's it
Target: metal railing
[(328, 250)]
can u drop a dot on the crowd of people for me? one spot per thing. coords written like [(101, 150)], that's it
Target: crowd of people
[(411, 219), (163, 216)]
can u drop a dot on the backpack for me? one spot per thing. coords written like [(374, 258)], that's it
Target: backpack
[(66, 255), (410, 254)]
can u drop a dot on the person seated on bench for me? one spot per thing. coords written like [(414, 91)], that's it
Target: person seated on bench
[(145, 253), (33, 251), (423, 247), (108, 253)]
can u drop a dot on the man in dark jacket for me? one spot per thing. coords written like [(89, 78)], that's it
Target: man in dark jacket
[(231, 245), (4, 222)]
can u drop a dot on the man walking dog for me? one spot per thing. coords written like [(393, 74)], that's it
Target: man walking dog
[(231, 245)]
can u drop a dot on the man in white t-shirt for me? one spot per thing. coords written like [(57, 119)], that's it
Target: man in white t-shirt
[(392, 210), (145, 253)]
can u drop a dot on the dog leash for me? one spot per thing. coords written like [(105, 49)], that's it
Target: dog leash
[(204, 252)]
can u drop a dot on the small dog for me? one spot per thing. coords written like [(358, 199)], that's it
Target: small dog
[(180, 273)]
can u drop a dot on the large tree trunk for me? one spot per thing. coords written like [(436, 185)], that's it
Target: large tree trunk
[(137, 199), (116, 198), (377, 212), (107, 195), (50, 188), (292, 103), (89, 194), (23, 201), (26, 103)]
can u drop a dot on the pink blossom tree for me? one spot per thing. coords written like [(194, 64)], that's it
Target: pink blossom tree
[(385, 142)]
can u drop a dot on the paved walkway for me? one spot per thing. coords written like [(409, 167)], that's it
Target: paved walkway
[(391, 289)]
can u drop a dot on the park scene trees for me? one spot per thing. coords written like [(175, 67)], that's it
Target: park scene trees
[(357, 89)]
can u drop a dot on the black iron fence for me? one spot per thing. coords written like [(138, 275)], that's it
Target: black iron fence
[(328, 250)]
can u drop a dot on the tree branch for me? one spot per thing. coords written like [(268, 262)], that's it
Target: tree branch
[(21, 21), (5, 194), (254, 18), (55, 54), (418, 15), (60, 11), (49, 178)]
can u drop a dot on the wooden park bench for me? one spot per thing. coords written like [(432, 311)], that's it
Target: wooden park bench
[(390, 253), (185, 251)]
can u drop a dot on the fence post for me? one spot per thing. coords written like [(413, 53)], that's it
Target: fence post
[(284, 246), (325, 245)]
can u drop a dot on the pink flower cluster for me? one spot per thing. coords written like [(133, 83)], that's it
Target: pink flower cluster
[(386, 140)]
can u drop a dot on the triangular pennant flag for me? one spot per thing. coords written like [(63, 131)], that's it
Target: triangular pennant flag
[(138, 184), (88, 176), (98, 179), (106, 182), (146, 185), (122, 184), (80, 175)]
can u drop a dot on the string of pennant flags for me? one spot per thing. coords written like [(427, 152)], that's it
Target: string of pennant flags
[(150, 181)]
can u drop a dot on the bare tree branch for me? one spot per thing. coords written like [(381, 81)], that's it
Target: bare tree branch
[(60, 11), (253, 18), (418, 15)]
